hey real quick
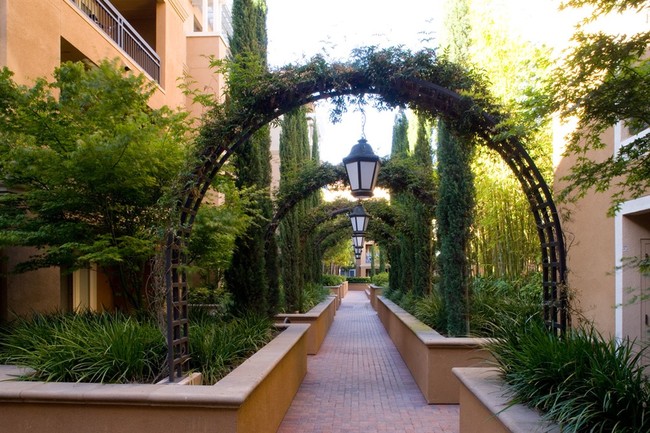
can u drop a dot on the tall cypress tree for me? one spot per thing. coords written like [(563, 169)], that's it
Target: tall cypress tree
[(400, 143), (422, 217), (400, 270), (313, 251), (294, 151), (454, 218), (456, 193), (252, 277)]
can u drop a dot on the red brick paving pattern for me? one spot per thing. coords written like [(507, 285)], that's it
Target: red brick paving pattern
[(358, 383)]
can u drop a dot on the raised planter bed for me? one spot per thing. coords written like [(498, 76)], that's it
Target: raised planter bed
[(336, 292), (253, 398), (357, 286), (339, 291), (484, 406), (374, 291), (428, 355), (319, 318)]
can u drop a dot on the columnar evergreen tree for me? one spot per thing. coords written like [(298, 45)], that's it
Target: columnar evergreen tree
[(456, 194), (411, 254), (422, 217), (400, 272), (314, 253), (294, 151), (454, 219), (400, 142), (252, 277)]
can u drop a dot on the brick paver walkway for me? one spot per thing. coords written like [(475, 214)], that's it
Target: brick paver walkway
[(358, 383)]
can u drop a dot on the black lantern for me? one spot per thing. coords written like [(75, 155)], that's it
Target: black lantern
[(357, 252), (359, 219), (357, 239), (362, 167)]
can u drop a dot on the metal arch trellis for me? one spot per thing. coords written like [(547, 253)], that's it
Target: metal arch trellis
[(421, 93)]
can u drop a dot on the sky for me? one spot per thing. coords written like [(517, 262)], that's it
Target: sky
[(299, 29)]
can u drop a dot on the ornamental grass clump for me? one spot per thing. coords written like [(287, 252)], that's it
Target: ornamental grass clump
[(312, 295), (217, 346), (496, 302), (580, 381), (86, 347)]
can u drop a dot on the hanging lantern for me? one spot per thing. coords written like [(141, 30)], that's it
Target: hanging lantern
[(359, 219), (358, 239), (362, 167)]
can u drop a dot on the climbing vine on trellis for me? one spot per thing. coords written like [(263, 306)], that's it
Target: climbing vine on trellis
[(386, 78)]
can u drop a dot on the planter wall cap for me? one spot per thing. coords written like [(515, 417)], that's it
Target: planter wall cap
[(313, 313), (486, 385), (426, 334)]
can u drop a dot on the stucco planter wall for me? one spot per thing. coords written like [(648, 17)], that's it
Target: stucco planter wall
[(373, 292), (357, 286), (484, 406), (336, 292), (319, 318), (253, 398), (339, 291), (428, 355)]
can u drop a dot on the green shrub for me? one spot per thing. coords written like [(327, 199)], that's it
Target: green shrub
[(358, 280), (430, 310), (87, 347), (408, 301), (220, 299), (394, 295), (217, 347), (312, 295), (380, 279), (580, 380), (331, 280), (495, 302)]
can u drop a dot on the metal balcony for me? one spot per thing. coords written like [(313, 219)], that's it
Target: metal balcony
[(112, 23)]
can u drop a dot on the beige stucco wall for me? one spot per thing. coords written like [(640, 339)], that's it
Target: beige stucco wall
[(30, 291), (428, 355), (590, 240), (202, 77)]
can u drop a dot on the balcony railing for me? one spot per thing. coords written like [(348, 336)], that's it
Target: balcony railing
[(111, 22)]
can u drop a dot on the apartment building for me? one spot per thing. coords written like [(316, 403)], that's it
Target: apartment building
[(167, 40)]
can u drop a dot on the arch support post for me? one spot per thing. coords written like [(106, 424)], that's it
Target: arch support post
[(177, 313)]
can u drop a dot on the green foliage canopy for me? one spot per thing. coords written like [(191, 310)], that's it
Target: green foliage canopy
[(92, 170), (605, 79)]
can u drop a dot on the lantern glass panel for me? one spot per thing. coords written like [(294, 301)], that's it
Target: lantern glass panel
[(353, 175), (368, 177)]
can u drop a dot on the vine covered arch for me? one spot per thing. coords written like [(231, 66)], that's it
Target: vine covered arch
[(392, 78)]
